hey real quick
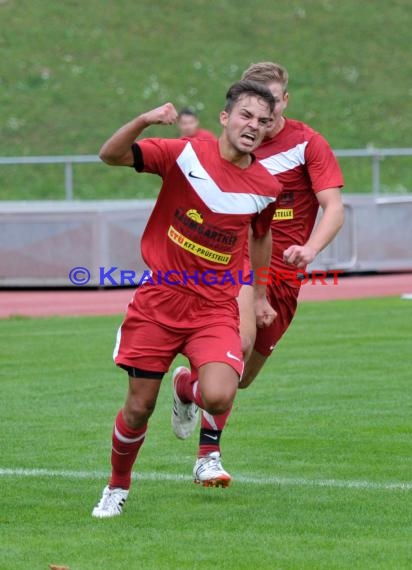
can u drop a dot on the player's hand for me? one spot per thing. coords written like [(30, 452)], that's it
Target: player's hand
[(299, 255), (164, 115), (265, 314)]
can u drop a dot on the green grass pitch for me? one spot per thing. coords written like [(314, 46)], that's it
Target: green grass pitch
[(320, 449)]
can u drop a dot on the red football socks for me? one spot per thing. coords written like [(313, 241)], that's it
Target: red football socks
[(126, 445), (188, 390)]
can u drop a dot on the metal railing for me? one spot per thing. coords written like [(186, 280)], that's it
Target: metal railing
[(375, 154), (67, 160)]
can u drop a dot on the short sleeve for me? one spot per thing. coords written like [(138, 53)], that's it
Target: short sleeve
[(322, 165), (261, 222), (159, 155)]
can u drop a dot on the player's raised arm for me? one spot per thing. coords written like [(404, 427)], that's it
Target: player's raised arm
[(117, 150)]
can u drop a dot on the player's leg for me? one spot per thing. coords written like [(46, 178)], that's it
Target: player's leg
[(128, 436), (185, 413), (217, 386), (213, 425), (218, 382), (253, 366), (217, 352), (213, 392), (283, 299), (131, 425), (145, 350)]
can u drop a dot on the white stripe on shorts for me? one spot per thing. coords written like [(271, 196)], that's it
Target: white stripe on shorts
[(116, 346)]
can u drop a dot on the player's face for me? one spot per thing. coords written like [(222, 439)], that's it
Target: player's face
[(247, 123), (187, 125), (281, 102)]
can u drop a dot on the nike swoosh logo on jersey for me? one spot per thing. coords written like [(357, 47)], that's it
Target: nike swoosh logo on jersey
[(211, 436), (194, 176), (232, 356), (216, 199)]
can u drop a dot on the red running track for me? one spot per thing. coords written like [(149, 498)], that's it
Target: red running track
[(114, 301)]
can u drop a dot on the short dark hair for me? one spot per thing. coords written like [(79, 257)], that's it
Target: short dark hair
[(248, 87), (187, 111)]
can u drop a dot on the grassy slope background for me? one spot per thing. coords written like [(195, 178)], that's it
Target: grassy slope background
[(73, 71)]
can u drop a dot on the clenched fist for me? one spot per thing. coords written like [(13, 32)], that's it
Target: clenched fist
[(164, 115), (299, 255)]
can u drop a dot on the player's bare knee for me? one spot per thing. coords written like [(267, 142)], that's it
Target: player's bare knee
[(136, 413), (216, 405), (217, 409)]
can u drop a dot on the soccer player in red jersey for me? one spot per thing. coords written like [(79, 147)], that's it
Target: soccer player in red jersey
[(188, 125), (194, 242), (302, 160)]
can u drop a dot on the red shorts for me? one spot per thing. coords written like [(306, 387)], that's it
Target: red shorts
[(283, 298), (163, 321)]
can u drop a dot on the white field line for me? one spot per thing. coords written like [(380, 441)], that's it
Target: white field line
[(158, 476)]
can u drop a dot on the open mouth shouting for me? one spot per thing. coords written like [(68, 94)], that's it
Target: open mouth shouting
[(248, 138)]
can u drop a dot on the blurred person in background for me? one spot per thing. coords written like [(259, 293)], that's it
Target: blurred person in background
[(188, 125)]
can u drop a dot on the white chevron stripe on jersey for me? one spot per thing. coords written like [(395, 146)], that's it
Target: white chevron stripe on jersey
[(284, 161), (209, 192)]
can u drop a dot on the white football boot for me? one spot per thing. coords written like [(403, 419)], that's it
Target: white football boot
[(111, 503), (208, 471)]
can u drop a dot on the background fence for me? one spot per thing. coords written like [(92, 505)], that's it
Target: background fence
[(375, 155), (41, 241)]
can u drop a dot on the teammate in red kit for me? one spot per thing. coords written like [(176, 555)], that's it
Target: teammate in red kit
[(212, 192), (188, 125), (302, 160)]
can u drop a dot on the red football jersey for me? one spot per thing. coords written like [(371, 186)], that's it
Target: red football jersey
[(303, 162), (201, 218)]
